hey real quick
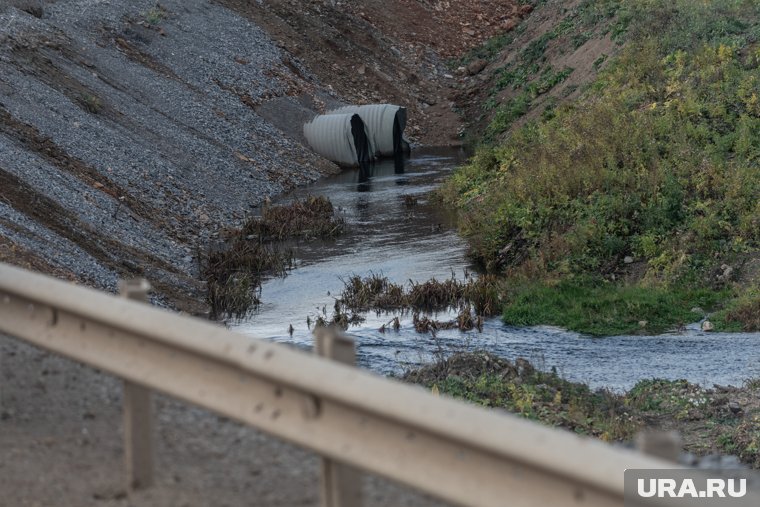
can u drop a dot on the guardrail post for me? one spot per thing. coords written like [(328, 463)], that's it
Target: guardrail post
[(138, 411), (340, 484), (662, 444)]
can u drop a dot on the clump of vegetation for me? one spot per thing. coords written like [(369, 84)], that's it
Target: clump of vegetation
[(742, 314), (91, 103), (234, 294), (466, 320), (490, 381), (725, 418), (339, 319), (234, 271), (376, 292), (744, 440), (154, 15), (676, 399), (507, 114), (659, 161), (313, 217), (473, 299)]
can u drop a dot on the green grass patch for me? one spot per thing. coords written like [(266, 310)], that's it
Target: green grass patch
[(507, 114), (601, 308), (155, 15), (490, 381)]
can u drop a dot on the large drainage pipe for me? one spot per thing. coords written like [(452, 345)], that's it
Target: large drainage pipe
[(341, 138), (385, 124)]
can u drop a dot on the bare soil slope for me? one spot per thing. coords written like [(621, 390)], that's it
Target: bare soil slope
[(395, 51)]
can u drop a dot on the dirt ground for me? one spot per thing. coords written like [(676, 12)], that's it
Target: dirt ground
[(61, 446), (388, 51)]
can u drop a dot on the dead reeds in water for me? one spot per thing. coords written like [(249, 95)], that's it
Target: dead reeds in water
[(312, 218), (474, 298), (234, 270), (376, 292), (466, 321)]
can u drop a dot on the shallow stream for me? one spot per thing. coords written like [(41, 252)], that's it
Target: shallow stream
[(387, 236)]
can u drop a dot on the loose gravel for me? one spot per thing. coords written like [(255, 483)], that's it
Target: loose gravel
[(159, 101)]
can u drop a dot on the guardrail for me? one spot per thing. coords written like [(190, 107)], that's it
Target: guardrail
[(454, 451)]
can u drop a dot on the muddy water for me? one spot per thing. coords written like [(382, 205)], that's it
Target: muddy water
[(418, 243)]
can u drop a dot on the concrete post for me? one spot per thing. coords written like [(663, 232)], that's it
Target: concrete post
[(340, 484), (138, 412)]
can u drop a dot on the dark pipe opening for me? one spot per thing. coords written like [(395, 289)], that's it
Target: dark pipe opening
[(360, 140), (399, 124)]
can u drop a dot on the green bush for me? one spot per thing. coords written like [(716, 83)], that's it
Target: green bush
[(742, 314), (507, 114), (658, 160)]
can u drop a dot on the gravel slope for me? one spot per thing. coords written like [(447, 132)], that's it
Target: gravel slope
[(128, 134)]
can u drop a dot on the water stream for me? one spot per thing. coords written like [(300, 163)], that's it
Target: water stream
[(403, 242)]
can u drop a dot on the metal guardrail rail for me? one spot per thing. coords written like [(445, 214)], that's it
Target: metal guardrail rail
[(454, 451)]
